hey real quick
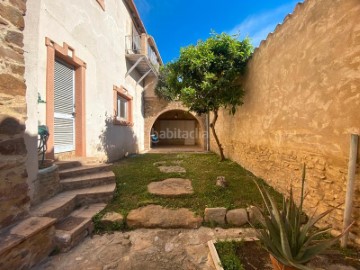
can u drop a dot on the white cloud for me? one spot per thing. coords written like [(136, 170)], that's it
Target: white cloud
[(258, 26)]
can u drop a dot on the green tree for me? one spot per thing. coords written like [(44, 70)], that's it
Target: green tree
[(205, 77)]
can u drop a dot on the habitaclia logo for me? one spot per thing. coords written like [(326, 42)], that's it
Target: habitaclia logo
[(177, 133)]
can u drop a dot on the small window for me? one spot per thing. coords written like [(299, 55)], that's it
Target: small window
[(122, 107)]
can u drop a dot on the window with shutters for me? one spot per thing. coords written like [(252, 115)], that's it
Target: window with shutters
[(122, 107)]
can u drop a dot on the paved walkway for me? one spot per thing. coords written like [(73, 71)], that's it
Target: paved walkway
[(144, 249)]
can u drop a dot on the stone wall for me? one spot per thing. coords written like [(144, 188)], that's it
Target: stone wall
[(154, 107), (301, 105), (13, 187), (47, 184)]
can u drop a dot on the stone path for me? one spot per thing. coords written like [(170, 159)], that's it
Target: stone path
[(170, 166), (156, 216), (144, 249), (171, 187), (172, 169)]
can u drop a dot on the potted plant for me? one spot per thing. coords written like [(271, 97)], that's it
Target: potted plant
[(290, 243)]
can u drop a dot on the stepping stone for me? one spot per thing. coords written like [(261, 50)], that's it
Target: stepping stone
[(159, 163), (156, 216), (177, 162), (216, 215), (237, 217), (171, 187), (164, 163), (172, 169), (111, 218)]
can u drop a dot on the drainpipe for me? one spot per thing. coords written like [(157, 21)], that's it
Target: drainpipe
[(350, 186)]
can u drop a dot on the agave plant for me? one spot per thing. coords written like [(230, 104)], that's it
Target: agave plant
[(285, 237)]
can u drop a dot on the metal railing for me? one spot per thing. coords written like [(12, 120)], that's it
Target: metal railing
[(133, 46), (153, 57)]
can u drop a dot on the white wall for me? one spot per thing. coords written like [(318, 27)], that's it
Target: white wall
[(98, 38)]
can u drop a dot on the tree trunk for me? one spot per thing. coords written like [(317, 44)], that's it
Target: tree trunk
[(212, 125)]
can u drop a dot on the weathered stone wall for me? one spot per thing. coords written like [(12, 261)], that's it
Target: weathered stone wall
[(154, 107), (301, 105), (46, 185), (13, 187), (34, 242)]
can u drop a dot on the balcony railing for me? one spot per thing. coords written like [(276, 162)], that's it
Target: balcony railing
[(138, 44), (153, 58), (133, 44)]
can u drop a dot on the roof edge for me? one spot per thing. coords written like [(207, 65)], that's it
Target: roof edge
[(299, 6), (134, 13)]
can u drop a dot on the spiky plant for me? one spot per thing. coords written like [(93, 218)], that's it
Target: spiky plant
[(285, 238)]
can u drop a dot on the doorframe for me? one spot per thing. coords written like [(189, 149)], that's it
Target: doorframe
[(67, 54)]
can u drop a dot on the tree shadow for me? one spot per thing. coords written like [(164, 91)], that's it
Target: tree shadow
[(117, 141)]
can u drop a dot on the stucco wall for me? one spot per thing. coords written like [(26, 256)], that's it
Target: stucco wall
[(98, 38), (301, 105), (14, 200)]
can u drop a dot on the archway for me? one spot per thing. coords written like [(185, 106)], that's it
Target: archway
[(178, 129)]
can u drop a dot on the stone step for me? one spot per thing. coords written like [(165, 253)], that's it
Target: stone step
[(78, 225), (83, 170), (26, 243), (68, 164), (64, 203), (89, 180)]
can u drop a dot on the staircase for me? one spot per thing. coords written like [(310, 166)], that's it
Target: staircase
[(62, 221), (85, 190)]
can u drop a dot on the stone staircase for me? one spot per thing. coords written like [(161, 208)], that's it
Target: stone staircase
[(85, 191), (83, 187)]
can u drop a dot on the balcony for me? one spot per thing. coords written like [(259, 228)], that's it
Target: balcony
[(140, 51)]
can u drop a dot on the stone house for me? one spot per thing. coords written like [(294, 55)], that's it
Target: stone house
[(87, 70), (86, 65)]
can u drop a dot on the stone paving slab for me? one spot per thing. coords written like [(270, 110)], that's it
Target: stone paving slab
[(172, 169), (156, 216), (150, 249), (171, 187)]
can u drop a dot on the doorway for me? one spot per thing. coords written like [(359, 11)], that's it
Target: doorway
[(64, 107)]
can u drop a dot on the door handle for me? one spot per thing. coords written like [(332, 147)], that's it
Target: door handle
[(73, 114)]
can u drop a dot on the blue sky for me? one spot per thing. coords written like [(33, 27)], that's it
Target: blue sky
[(178, 23)]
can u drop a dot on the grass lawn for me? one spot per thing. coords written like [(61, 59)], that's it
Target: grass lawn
[(133, 174)]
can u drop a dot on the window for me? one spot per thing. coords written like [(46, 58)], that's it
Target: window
[(122, 107)]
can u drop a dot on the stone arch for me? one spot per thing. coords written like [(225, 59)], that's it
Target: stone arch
[(153, 115)]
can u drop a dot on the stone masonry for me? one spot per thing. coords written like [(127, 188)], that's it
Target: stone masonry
[(154, 107), (301, 105), (14, 198)]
